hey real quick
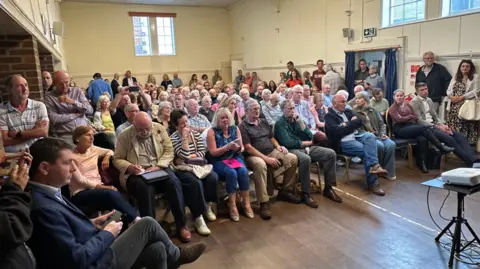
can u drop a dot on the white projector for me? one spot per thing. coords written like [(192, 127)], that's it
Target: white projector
[(462, 176)]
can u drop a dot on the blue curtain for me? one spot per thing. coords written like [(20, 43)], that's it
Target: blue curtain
[(350, 72), (390, 73)]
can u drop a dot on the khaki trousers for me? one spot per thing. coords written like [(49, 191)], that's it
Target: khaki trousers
[(259, 168)]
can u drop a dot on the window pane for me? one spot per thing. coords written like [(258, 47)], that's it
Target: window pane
[(168, 31), (166, 22), (169, 50), (397, 15), (410, 12), (161, 40), (159, 22), (160, 31), (458, 6), (141, 32), (421, 10), (397, 2), (162, 50), (168, 40)]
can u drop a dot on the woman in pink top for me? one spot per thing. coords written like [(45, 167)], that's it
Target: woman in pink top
[(86, 185), (406, 126)]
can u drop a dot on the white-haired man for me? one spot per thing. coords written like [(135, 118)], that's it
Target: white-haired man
[(327, 96), (302, 109), (197, 121), (130, 111), (266, 154), (357, 89)]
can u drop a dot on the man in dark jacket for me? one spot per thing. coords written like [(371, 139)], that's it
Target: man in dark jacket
[(341, 126), (15, 224), (437, 78)]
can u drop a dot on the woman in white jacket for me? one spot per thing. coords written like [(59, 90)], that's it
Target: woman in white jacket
[(462, 87), (102, 119)]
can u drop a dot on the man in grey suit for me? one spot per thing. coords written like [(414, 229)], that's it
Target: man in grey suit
[(424, 108)]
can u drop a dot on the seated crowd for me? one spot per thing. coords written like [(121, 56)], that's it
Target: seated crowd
[(117, 147)]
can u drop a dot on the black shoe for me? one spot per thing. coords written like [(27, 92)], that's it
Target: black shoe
[(308, 200), (330, 194), (423, 167), (288, 197), (445, 150), (265, 212), (190, 253)]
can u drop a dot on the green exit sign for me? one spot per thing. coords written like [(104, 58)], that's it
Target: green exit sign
[(370, 32)]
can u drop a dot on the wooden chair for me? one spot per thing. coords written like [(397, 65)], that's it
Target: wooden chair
[(347, 159), (401, 143)]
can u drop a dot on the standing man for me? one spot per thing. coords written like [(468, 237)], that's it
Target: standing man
[(291, 67), (292, 133), (22, 120), (362, 73), (423, 106), (67, 107), (97, 88), (65, 238), (332, 78), (437, 78), (176, 82), (239, 80), (341, 126), (114, 84), (265, 155), (216, 77), (128, 80), (46, 81), (318, 74)]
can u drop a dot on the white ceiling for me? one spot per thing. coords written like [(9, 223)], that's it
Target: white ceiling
[(196, 3)]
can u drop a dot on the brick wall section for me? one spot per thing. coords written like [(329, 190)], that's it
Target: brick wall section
[(19, 55), (46, 62)]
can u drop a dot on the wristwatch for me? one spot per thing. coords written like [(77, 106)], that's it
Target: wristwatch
[(19, 134)]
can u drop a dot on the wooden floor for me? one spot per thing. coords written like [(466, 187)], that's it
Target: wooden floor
[(366, 231)]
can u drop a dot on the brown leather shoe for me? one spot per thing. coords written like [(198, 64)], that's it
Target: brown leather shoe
[(308, 200), (329, 192), (377, 169), (376, 189), (184, 235), (190, 254), (265, 212)]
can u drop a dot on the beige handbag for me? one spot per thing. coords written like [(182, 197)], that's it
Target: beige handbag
[(470, 109)]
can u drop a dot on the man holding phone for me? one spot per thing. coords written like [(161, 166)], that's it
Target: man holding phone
[(65, 238)]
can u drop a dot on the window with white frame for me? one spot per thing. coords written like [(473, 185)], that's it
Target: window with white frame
[(454, 7), (153, 36), (396, 12)]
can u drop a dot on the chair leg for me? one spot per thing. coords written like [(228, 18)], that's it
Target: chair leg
[(319, 178), (347, 168), (410, 157)]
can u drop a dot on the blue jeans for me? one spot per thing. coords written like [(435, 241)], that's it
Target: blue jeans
[(233, 177), (365, 147), (386, 153)]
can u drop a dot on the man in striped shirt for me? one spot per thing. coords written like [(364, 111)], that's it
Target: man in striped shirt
[(22, 120)]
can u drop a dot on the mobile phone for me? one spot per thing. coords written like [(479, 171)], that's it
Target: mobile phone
[(237, 141), (133, 88)]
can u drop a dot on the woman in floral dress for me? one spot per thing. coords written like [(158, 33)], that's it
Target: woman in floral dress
[(462, 87)]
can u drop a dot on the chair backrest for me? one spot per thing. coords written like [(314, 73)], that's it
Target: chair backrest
[(388, 123)]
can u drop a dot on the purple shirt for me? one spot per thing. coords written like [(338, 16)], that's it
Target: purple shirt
[(63, 117)]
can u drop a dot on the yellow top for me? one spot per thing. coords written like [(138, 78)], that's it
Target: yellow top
[(107, 122)]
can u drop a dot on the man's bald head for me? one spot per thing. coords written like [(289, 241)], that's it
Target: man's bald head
[(143, 125), (61, 80)]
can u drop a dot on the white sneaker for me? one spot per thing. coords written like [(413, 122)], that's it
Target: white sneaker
[(209, 215), (201, 226)]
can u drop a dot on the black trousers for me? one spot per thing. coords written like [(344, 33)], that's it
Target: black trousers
[(177, 192), (208, 184), (460, 143)]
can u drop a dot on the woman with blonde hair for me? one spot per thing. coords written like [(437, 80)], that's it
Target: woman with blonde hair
[(224, 143), (166, 81), (151, 79), (231, 104), (102, 120)]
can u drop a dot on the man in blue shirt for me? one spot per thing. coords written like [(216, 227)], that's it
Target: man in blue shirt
[(98, 87)]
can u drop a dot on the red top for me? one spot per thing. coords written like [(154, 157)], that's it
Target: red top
[(291, 82), (402, 114)]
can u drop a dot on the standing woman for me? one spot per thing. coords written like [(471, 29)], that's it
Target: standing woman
[(166, 81), (193, 81), (463, 87), (151, 79), (283, 78), (294, 79), (225, 146), (307, 78)]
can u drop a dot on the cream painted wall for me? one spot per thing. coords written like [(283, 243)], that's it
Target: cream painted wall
[(306, 30), (28, 13), (99, 38)]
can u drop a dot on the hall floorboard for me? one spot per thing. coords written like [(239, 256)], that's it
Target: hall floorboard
[(394, 231)]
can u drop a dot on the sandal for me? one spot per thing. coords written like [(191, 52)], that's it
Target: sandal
[(248, 213)]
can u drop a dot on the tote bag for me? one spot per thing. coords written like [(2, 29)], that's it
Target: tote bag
[(470, 109)]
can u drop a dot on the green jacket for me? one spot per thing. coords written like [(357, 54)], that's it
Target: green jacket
[(290, 134)]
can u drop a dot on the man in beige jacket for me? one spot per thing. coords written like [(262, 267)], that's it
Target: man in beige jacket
[(146, 147)]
